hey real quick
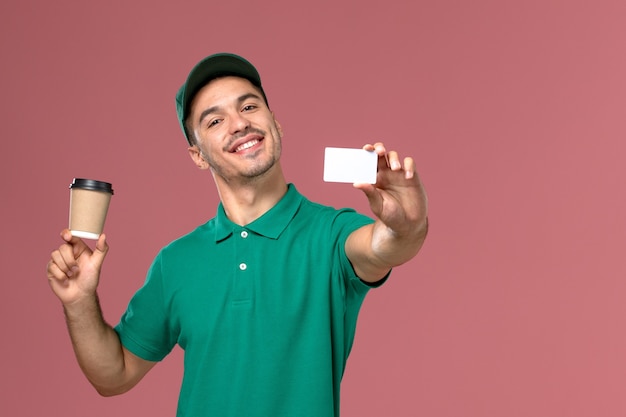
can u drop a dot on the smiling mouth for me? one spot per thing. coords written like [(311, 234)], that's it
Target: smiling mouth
[(246, 145)]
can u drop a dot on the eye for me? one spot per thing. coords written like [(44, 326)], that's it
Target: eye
[(212, 123), (248, 107)]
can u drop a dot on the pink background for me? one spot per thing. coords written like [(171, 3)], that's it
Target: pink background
[(513, 110)]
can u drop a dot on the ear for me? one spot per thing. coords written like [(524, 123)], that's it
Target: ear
[(197, 158), (278, 126)]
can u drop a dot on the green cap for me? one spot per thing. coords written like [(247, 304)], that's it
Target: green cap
[(211, 67)]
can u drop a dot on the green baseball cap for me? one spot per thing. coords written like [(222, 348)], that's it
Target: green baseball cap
[(211, 67)]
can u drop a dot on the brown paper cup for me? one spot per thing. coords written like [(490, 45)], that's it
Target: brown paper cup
[(89, 203)]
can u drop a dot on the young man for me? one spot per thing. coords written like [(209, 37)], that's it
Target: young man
[(264, 297)]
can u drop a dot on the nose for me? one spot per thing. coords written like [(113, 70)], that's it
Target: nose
[(238, 123)]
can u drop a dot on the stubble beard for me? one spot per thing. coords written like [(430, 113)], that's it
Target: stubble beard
[(255, 172)]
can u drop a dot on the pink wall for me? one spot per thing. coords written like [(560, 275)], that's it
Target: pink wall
[(513, 110)]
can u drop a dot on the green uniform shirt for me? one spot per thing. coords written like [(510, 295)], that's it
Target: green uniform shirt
[(266, 313)]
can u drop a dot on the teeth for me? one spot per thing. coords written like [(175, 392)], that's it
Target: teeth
[(246, 145)]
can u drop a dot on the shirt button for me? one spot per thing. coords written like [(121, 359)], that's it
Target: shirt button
[(243, 266), (244, 234)]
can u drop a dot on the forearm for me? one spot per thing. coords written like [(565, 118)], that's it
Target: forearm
[(375, 249), (97, 346), (391, 248)]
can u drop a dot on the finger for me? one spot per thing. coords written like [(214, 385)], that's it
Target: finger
[(373, 196), (56, 276), (54, 272), (77, 244), (383, 156), (101, 244), (102, 247), (57, 267), (68, 256), (66, 235), (380, 149), (409, 168), (393, 161)]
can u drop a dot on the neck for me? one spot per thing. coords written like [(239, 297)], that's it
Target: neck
[(245, 202)]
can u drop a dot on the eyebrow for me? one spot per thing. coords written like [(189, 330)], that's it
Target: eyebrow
[(214, 109)]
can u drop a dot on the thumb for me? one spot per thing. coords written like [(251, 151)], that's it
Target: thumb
[(101, 249), (373, 196)]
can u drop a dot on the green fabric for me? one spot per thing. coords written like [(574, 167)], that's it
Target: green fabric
[(268, 339)]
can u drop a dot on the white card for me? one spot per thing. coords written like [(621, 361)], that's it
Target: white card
[(350, 165)]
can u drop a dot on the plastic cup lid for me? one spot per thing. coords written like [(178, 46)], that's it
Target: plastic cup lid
[(93, 185)]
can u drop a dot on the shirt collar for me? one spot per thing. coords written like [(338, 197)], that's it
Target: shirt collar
[(271, 224)]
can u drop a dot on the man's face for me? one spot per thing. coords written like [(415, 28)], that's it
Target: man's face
[(236, 133)]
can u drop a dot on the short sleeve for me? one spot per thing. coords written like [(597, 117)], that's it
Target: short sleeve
[(144, 328), (346, 222)]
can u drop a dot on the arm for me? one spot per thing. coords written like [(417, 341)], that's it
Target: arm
[(399, 202), (73, 274)]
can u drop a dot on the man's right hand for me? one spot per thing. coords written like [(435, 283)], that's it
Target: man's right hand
[(74, 268)]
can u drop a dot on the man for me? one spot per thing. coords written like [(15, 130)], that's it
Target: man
[(264, 297)]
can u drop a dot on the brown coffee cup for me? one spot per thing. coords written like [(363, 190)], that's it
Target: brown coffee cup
[(89, 203)]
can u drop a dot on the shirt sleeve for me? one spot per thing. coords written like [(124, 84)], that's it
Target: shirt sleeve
[(353, 288), (144, 328), (346, 222)]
